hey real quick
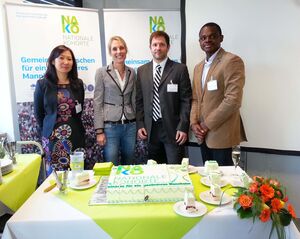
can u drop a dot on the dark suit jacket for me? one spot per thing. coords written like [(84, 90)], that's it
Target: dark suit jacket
[(175, 106), (45, 105)]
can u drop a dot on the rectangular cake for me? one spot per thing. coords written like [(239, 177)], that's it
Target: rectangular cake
[(148, 183)]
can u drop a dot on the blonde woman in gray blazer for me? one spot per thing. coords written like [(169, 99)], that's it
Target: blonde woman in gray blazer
[(114, 106)]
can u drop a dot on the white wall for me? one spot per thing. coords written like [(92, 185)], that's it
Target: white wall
[(265, 34), (284, 168)]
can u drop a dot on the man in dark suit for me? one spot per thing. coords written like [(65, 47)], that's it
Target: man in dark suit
[(163, 102)]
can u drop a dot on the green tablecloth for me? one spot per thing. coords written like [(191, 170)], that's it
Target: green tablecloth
[(132, 221), (18, 185)]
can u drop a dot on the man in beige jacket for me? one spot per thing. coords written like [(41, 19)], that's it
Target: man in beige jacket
[(217, 96)]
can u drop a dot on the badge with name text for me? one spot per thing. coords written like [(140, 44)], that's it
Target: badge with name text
[(78, 108), (212, 85), (172, 87)]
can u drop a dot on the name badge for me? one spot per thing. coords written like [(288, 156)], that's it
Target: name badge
[(78, 108), (172, 88), (212, 85)]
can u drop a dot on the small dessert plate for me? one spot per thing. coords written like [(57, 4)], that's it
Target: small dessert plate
[(207, 197), (179, 208), (91, 183), (192, 169), (202, 172), (206, 182)]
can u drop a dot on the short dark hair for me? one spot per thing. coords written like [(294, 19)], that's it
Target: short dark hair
[(160, 34), (212, 24), (50, 73)]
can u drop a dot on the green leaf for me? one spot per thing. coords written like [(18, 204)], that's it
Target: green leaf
[(285, 217), (244, 213)]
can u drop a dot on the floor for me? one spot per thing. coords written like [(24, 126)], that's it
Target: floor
[(3, 220)]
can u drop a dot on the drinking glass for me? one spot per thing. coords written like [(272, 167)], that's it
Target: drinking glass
[(77, 162), (236, 157), (10, 148)]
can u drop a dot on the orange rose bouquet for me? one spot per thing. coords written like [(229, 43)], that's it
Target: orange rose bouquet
[(265, 199)]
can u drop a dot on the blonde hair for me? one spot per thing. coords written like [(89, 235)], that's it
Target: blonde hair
[(116, 38)]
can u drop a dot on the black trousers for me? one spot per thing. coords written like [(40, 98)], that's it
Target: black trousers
[(222, 156), (161, 149)]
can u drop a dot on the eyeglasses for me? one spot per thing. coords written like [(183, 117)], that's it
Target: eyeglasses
[(210, 37)]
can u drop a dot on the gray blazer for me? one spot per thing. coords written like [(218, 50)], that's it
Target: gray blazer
[(175, 106), (110, 102)]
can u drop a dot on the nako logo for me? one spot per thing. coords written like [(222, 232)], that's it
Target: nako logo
[(69, 24), (157, 23)]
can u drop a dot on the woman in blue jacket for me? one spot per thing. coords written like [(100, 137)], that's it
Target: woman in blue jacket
[(58, 104)]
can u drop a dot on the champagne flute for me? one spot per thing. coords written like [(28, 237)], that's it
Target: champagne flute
[(236, 157)]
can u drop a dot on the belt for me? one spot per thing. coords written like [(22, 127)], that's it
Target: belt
[(125, 121)]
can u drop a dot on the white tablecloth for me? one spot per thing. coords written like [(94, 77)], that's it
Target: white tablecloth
[(45, 216)]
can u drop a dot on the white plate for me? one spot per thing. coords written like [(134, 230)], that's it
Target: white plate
[(91, 183), (207, 197), (202, 172), (179, 208), (192, 169), (206, 182)]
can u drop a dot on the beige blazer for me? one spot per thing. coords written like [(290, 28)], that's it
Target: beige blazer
[(219, 108)]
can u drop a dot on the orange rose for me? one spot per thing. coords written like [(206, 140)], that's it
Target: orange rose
[(267, 191), (253, 188), (264, 198), (292, 211), (258, 178), (245, 201), (275, 182), (279, 194), (276, 205), (265, 215)]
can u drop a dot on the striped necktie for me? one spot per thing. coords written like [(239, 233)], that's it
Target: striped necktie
[(156, 104)]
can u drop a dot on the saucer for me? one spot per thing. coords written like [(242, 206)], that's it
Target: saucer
[(192, 169), (179, 208), (207, 197), (202, 172), (206, 182), (91, 183)]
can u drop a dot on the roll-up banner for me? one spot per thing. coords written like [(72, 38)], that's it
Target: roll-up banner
[(34, 30), (135, 26)]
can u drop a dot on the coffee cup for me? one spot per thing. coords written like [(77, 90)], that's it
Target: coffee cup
[(214, 178)]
